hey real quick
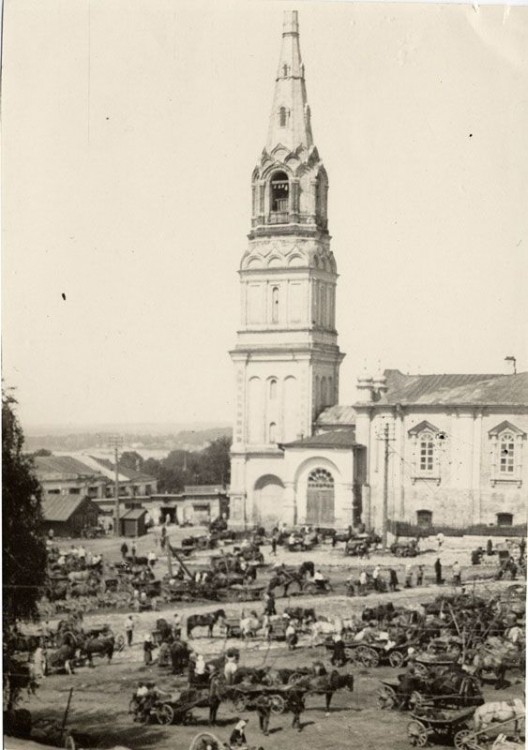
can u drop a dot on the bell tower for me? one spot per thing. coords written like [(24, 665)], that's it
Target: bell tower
[(286, 356)]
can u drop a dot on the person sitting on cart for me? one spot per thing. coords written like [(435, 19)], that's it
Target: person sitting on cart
[(263, 708), (238, 735), (320, 580)]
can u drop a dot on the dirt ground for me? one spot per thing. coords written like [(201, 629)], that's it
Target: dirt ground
[(101, 695)]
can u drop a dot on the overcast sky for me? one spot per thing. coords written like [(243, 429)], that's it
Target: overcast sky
[(130, 131)]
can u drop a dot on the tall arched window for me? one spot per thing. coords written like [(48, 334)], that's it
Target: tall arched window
[(272, 433), (275, 304), (280, 189), (273, 390)]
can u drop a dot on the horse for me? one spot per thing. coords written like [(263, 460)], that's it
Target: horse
[(61, 658), (77, 576), (205, 621), (102, 646), (512, 710), (326, 685), (179, 654)]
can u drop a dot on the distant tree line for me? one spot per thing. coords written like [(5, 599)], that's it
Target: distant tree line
[(180, 468)]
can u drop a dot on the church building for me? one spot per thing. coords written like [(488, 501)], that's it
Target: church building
[(413, 448)]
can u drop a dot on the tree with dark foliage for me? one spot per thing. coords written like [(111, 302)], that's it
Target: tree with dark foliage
[(24, 545)]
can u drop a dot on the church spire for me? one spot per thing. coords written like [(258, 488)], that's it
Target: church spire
[(290, 116)]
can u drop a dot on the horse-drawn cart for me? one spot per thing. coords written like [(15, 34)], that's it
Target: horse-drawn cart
[(450, 726), (244, 696)]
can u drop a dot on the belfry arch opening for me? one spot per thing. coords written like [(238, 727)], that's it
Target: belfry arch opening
[(279, 193)]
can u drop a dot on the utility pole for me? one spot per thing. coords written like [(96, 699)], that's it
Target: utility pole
[(116, 442), (386, 435)]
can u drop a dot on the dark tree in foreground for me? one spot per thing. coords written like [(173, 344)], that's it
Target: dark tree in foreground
[(24, 546)]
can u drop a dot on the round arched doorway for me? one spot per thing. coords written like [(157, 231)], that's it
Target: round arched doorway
[(320, 498), (268, 504)]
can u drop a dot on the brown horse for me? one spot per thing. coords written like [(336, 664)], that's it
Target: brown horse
[(326, 685), (205, 621)]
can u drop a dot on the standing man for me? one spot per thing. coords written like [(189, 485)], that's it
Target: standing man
[(296, 706), (124, 550), (438, 571), (176, 626), (133, 550), (152, 557), (420, 575), (393, 580), (148, 648), (457, 573), (274, 538), (375, 578), (129, 629), (263, 706), (408, 576)]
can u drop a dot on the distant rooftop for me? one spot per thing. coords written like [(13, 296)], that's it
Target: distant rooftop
[(342, 438), (53, 467)]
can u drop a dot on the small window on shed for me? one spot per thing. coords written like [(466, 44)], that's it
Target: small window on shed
[(504, 519), (424, 518)]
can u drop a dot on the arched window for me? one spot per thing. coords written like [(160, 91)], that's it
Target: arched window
[(507, 454), (272, 433), (285, 69), (275, 304), (320, 478), (280, 189), (273, 390), (324, 394), (284, 116)]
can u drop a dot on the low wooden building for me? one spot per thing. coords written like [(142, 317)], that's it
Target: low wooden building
[(67, 515), (133, 522)]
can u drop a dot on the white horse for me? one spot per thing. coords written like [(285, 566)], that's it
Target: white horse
[(499, 711)]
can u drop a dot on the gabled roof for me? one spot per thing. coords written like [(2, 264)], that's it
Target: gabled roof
[(344, 438), (506, 426), (424, 425), (124, 471), (337, 415), (484, 389), (62, 507), (133, 514), (55, 467)]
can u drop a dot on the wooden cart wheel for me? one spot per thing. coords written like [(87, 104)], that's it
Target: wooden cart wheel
[(205, 741), (386, 698), (240, 703), (417, 733), (396, 659), (277, 704), (165, 714), (464, 738), (366, 656), (416, 700)]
